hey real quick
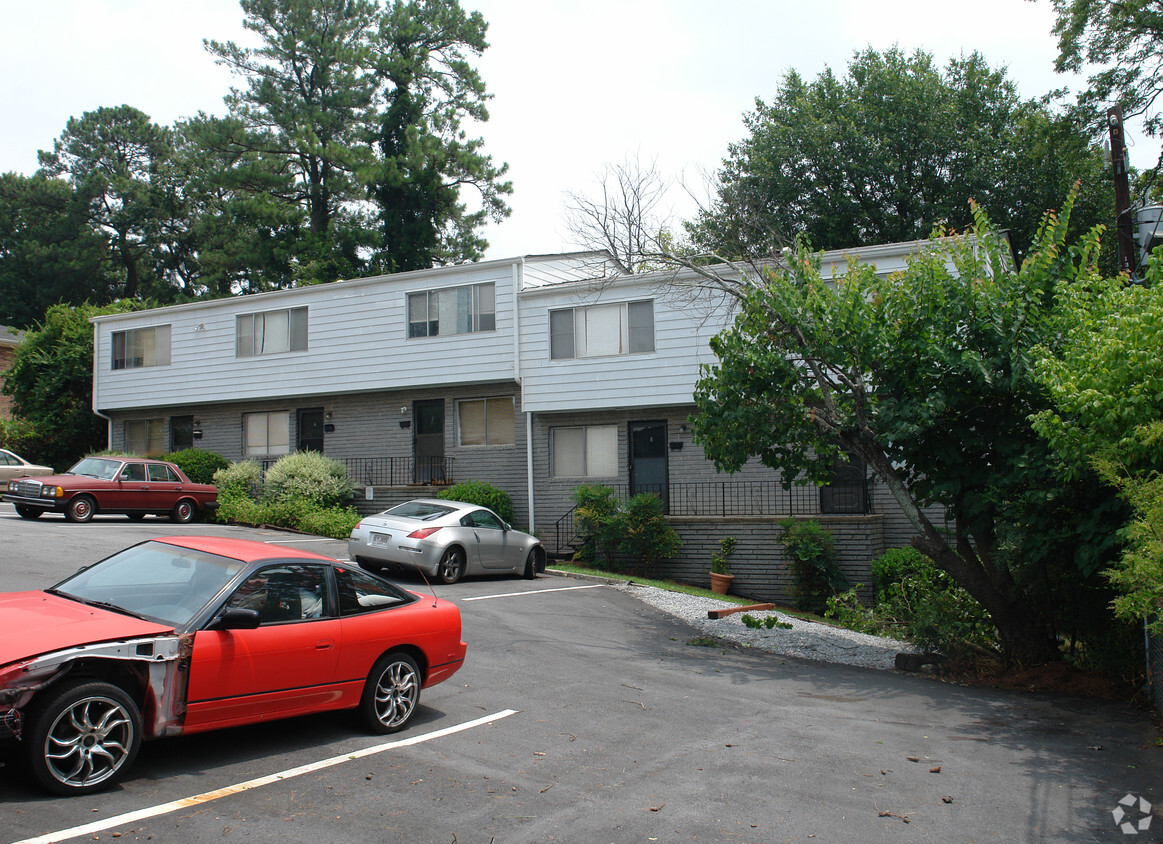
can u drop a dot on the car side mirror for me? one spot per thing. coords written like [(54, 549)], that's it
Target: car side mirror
[(235, 618)]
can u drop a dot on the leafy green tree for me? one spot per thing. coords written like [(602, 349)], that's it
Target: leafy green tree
[(1124, 41), (425, 159), (115, 159), (928, 377), (1106, 380), (51, 383), (308, 130), (48, 253), (892, 148)]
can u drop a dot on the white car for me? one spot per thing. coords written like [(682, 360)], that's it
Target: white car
[(15, 466), (445, 540)]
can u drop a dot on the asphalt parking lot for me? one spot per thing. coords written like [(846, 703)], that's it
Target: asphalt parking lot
[(583, 715)]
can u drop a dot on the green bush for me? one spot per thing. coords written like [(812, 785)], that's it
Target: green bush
[(309, 476), (648, 535), (482, 495), (599, 523), (919, 603), (812, 559), (241, 478), (295, 513), (894, 565), (198, 465)]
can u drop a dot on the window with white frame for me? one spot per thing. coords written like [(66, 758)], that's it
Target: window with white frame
[(271, 332), (141, 347), (267, 433), (452, 310), (589, 451), (486, 421), (145, 436), (598, 330)]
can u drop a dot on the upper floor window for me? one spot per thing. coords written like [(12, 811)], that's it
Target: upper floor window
[(453, 310), (141, 347), (599, 330), (486, 421), (271, 332)]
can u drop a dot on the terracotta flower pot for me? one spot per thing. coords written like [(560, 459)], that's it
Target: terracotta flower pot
[(721, 583)]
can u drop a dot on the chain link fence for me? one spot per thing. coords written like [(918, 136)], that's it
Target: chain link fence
[(1155, 667)]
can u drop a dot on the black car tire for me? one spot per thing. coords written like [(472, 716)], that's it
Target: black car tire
[(530, 565), (80, 509), (451, 566), (26, 512), (184, 512), (391, 693), (84, 738)]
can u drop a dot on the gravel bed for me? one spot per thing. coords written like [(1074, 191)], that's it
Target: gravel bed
[(805, 639)]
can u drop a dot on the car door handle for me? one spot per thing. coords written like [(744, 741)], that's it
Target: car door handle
[(325, 644)]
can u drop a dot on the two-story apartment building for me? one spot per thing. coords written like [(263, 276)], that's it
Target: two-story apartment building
[(535, 374)]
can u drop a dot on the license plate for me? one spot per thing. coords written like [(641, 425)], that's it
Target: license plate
[(383, 539)]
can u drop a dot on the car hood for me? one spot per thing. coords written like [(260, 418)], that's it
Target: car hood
[(35, 623)]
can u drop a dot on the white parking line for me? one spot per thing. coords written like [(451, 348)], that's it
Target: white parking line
[(209, 796), (534, 592)]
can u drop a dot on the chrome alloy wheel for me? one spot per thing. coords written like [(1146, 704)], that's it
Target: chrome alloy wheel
[(396, 692), (89, 742)]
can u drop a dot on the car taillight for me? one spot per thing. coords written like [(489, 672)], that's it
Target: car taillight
[(358, 525), (423, 533)]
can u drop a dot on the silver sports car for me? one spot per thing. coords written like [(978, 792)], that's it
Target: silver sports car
[(445, 540)]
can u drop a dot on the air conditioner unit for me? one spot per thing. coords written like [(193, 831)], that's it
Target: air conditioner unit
[(1150, 235)]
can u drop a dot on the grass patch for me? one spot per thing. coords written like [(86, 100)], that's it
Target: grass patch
[(687, 589), (668, 585)]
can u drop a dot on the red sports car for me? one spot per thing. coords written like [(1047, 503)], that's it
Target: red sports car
[(134, 486), (185, 634)]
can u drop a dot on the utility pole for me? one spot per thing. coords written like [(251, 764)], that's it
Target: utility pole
[(1126, 239)]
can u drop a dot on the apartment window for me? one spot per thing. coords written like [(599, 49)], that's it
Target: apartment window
[(267, 433), (271, 332), (141, 347), (486, 421), (584, 452), (145, 436), (600, 330), (453, 310)]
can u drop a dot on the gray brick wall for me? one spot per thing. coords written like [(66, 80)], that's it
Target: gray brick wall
[(760, 562)]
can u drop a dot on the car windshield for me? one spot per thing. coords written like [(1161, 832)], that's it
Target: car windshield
[(162, 582), (423, 510), (96, 467)]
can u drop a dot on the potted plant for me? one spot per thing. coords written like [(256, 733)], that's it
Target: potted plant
[(721, 576)]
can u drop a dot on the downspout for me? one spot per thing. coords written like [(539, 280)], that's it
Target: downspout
[(108, 420), (518, 274)]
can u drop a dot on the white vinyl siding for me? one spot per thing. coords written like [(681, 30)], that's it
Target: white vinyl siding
[(271, 332), (452, 310), (602, 330), (486, 421), (145, 436), (267, 433), (141, 347), (584, 452)]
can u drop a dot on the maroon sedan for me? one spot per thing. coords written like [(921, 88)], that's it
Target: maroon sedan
[(130, 485)]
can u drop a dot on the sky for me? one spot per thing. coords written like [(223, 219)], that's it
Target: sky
[(577, 84)]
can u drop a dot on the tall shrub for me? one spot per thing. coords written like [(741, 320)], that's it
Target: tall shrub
[(483, 495), (599, 524), (198, 465), (812, 559), (648, 535), (309, 475)]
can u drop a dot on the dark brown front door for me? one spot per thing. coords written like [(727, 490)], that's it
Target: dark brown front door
[(428, 441), (648, 468)]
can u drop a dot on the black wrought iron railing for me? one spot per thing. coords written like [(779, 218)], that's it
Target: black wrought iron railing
[(394, 471), (739, 498)]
